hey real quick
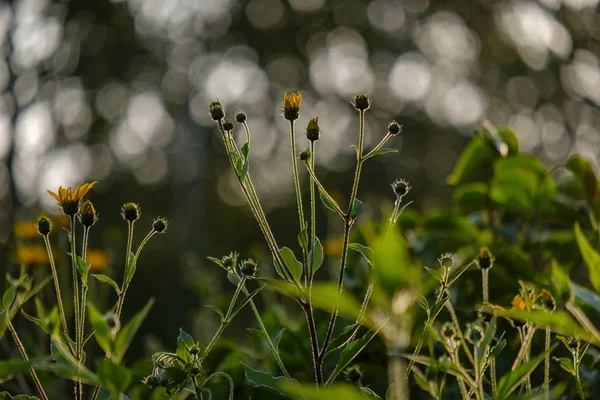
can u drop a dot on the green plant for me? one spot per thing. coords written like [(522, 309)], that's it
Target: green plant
[(68, 356)]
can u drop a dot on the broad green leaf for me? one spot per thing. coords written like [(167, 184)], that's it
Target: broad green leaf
[(509, 382), (357, 209), (292, 263), (233, 278), (522, 184), (560, 280), (471, 197), (279, 269), (84, 269), (184, 344), (475, 158), (102, 331), (566, 364), (127, 332), (9, 297), (114, 377), (106, 279), (352, 350), (39, 322), (339, 391), (391, 261), (303, 239), (590, 256), (317, 255), (177, 374), (365, 251), (266, 380), (72, 368), (559, 321)]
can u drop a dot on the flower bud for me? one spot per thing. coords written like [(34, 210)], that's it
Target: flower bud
[(305, 155), (216, 110), (400, 187), (548, 301), (87, 214), (394, 128), (240, 117), (361, 102), (446, 261), (44, 225), (228, 125), (228, 261), (249, 268), (353, 374), (313, 129), (160, 225), (485, 259), (131, 212), (291, 105)]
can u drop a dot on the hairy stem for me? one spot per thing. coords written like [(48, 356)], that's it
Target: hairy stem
[(125, 284), (547, 364), (77, 305), (21, 348)]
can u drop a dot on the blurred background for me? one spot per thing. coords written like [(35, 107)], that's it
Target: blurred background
[(117, 91)]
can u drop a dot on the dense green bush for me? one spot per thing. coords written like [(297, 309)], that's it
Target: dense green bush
[(475, 301)]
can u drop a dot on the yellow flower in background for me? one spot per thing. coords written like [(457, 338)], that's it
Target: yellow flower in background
[(97, 259), (291, 105), (70, 200), (61, 220), (518, 303), (26, 230), (29, 255)]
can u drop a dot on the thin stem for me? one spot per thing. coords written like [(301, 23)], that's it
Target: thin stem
[(21, 348), (84, 290), (576, 362), (486, 299), (130, 229), (547, 364), (313, 217), (61, 309), (458, 329), (267, 336), (314, 342), (527, 337), (379, 146), (324, 192), (76, 302), (461, 382), (347, 228)]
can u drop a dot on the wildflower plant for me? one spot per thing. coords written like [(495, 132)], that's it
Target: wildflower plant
[(73, 322), (296, 269)]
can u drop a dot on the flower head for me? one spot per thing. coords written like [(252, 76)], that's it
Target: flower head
[(485, 259), (313, 129), (249, 268), (87, 214), (70, 200), (216, 110), (160, 225), (361, 102), (131, 212), (44, 225), (227, 125), (240, 117), (394, 128), (400, 187), (30, 255), (291, 105)]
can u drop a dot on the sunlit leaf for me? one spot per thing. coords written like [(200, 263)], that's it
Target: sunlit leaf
[(590, 256), (292, 263), (114, 377), (365, 251), (106, 279), (127, 332), (266, 380)]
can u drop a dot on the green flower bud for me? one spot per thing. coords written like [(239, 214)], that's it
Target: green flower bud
[(361, 102), (228, 125), (240, 117), (400, 187), (160, 225), (44, 225), (485, 259), (249, 268), (131, 212), (313, 129), (87, 214), (394, 128), (216, 110)]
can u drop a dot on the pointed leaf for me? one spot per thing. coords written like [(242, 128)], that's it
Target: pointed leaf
[(266, 380), (292, 263), (245, 150), (126, 333), (590, 256), (84, 269), (102, 331), (9, 297), (130, 269), (114, 377), (357, 209), (317, 255), (218, 262), (327, 203), (366, 252), (382, 151), (37, 321), (303, 239), (246, 300), (106, 279), (217, 310)]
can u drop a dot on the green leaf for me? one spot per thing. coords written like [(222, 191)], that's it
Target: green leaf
[(292, 263), (475, 158), (381, 151), (365, 251), (217, 310), (587, 296), (490, 332), (340, 391), (184, 344), (39, 322), (327, 203), (509, 382), (106, 279), (266, 380), (84, 269), (455, 274), (102, 331), (9, 368), (233, 278), (7, 396), (590, 256), (279, 269), (9, 297), (246, 300), (127, 332), (218, 262), (317, 257), (303, 239), (566, 364), (72, 368), (114, 377), (241, 168), (584, 171), (352, 350), (177, 374), (560, 279), (245, 150), (357, 209), (471, 197)]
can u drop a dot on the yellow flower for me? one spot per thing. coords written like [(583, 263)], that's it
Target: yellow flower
[(518, 303), (291, 105), (26, 230), (97, 259), (68, 200), (28, 255)]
